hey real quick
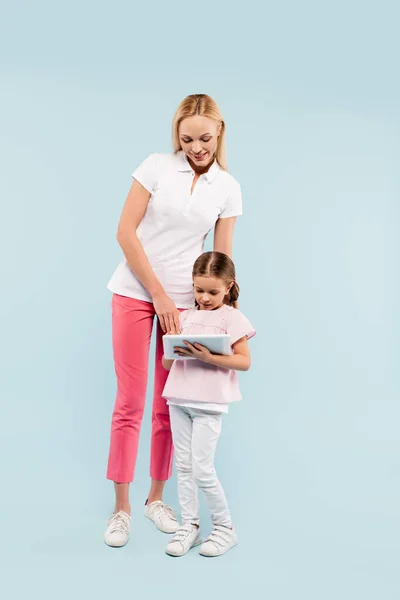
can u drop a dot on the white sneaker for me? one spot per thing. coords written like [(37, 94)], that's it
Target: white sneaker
[(162, 515), (118, 528), (184, 539), (219, 541)]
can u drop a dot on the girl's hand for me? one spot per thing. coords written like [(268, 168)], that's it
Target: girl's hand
[(167, 313), (195, 350)]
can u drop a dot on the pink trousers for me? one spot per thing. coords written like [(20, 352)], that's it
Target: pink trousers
[(132, 324)]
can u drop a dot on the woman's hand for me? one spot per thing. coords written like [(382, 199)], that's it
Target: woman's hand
[(167, 313), (195, 350)]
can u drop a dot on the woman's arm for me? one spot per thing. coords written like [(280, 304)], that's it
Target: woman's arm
[(223, 238), (239, 361), (132, 215), (223, 235)]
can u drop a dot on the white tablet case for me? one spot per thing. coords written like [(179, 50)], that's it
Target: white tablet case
[(216, 343)]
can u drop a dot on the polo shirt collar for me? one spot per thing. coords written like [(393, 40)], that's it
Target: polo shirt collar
[(184, 165)]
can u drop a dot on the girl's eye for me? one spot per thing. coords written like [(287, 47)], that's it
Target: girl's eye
[(202, 292), (205, 140)]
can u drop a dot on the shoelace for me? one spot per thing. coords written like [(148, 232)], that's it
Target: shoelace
[(183, 532), (163, 509), (118, 522), (219, 536)]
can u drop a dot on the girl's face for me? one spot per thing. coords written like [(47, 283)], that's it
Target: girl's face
[(199, 139), (210, 292)]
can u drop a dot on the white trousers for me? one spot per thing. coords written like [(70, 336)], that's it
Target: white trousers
[(195, 435)]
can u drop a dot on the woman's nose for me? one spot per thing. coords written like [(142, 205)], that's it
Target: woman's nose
[(196, 147)]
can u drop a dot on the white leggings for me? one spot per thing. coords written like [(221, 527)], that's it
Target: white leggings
[(195, 434)]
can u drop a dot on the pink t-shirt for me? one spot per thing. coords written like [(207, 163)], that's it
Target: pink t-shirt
[(197, 381)]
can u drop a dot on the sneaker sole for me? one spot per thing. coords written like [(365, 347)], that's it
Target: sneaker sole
[(216, 555), (116, 545), (177, 555)]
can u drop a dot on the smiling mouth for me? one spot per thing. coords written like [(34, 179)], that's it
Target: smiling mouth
[(200, 156)]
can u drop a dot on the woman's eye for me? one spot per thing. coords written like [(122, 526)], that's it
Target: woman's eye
[(205, 140)]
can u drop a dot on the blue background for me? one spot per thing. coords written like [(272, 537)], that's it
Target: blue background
[(310, 460)]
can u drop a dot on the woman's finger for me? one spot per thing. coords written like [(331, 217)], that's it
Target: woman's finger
[(167, 325), (162, 323), (170, 324), (177, 323)]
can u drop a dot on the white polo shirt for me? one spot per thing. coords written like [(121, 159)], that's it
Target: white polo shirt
[(176, 223)]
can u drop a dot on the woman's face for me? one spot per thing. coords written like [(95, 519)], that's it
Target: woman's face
[(199, 139)]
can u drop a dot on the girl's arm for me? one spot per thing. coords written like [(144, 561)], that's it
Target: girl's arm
[(167, 363), (131, 217), (238, 361)]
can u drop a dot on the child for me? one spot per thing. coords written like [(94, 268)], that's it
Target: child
[(198, 392)]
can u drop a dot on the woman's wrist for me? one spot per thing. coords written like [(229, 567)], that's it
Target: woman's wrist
[(156, 291)]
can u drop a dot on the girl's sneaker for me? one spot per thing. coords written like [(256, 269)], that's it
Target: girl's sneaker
[(162, 516), (118, 528), (219, 541), (184, 539)]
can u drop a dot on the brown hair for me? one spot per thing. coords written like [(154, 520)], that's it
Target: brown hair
[(200, 104), (220, 266)]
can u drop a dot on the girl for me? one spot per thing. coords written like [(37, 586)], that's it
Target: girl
[(198, 392)]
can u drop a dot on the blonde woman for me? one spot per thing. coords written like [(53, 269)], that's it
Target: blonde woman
[(175, 200)]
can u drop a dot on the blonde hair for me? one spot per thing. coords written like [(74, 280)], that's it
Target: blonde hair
[(205, 106)]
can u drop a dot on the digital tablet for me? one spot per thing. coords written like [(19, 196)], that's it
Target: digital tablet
[(218, 343)]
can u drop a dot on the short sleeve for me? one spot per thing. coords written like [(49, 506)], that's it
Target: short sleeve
[(147, 173), (183, 317), (233, 205), (239, 326)]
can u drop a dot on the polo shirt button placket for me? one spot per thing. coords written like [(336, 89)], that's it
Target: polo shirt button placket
[(190, 198)]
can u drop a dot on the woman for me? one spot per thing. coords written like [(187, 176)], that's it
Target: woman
[(175, 201)]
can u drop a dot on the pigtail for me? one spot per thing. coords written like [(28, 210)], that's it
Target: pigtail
[(233, 294)]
